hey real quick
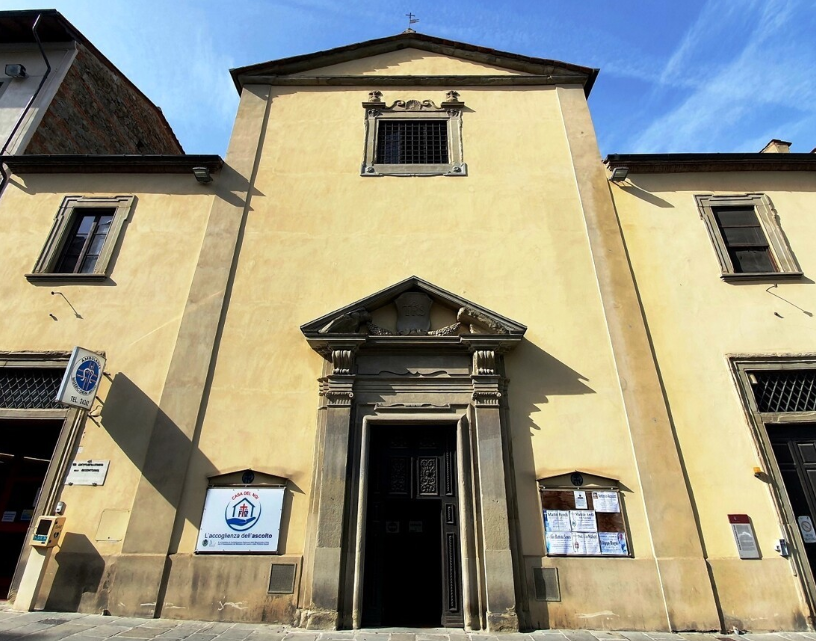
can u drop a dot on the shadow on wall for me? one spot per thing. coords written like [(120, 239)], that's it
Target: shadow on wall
[(128, 411), (79, 571), (536, 377)]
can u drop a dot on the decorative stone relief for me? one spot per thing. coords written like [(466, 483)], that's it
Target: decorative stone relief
[(479, 322), (413, 313), (348, 323), (376, 330), (449, 330), (375, 96)]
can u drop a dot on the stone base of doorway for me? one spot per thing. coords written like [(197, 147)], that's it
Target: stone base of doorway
[(316, 619), (502, 621)]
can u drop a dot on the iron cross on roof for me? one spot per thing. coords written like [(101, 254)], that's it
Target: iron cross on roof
[(412, 19)]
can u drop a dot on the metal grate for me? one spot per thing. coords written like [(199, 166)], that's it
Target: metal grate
[(785, 390), (30, 388), (282, 578), (546, 584), (412, 142)]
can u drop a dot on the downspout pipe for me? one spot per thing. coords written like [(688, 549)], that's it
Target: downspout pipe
[(30, 102)]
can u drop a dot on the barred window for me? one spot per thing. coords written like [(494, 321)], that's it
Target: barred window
[(413, 137), (784, 390), (30, 388), (412, 142)]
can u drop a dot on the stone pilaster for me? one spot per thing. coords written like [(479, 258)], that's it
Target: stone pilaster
[(324, 562), (490, 466)]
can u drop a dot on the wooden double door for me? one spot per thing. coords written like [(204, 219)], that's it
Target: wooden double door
[(412, 574)]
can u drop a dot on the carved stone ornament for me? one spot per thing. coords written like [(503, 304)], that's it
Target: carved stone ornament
[(339, 397), (452, 96), (414, 105), (486, 398), (342, 361), (479, 322), (375, 96), (348, 323), (484, 362), (413, 313)]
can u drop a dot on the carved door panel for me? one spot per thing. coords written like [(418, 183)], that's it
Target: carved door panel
[(412, 567)]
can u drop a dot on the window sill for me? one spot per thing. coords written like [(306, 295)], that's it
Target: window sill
[(763, 276), (414, 170), (78, 278)]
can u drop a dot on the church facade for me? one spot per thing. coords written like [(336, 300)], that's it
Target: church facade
[(412, 355)]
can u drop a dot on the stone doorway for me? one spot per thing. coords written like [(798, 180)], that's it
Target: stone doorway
[(412, 572)]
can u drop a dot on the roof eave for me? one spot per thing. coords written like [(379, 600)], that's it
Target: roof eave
[(111, 164), (516, 62), (711, 162)]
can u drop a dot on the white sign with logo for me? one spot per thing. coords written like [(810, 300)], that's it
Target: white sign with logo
[(806, 528), (241, 519), (81, 380)]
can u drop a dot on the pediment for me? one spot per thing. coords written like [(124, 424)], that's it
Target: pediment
[(412, 310), (577, 478), (341, 65), (247, 477)]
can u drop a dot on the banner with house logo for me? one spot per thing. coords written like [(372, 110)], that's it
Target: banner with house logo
[(241, 519)]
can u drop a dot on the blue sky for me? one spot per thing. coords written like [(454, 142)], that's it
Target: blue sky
[(690, 76)]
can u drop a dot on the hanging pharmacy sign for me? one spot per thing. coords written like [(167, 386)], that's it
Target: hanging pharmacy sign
[(241, 519), (81, 380)]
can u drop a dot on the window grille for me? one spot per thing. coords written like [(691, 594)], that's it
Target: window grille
[(30, 388), (784, 390), (412, 142)]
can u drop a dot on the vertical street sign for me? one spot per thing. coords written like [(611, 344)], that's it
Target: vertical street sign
[(81, 380)]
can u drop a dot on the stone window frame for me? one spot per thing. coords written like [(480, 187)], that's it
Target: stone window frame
[(61, 230), (450, 111), (781, 252)]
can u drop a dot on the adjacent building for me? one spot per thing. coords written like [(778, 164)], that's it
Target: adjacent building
[(60, 95), (411, 355)]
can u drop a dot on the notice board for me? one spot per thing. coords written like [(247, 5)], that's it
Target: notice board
[(584, 522)]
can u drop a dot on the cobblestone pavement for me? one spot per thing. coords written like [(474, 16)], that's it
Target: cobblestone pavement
[(55, 626)]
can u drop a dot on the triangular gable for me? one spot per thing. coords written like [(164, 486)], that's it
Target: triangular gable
[(349, 320), (578, 478), (541, 70)]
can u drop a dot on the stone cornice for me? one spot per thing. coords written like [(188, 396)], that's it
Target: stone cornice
[(686, 163), (408, 81)]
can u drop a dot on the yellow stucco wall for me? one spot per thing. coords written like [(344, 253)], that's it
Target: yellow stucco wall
[(509, 236), (133, 316), (696, 321)]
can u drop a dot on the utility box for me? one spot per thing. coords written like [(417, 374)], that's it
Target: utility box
[(47, 532)]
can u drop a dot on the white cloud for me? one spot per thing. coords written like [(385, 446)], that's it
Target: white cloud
[(766, 74)]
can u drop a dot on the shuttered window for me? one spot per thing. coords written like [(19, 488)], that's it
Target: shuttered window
[(744, 239)]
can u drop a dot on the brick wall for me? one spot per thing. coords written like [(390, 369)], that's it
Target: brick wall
[(96, 111)]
